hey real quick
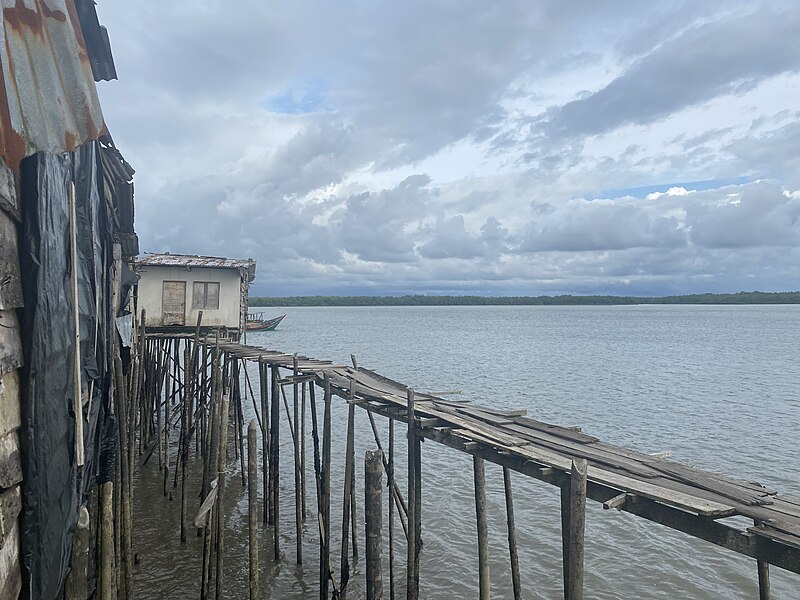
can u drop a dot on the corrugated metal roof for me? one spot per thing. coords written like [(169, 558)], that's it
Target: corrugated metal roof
[(195, 261), (48, 100)]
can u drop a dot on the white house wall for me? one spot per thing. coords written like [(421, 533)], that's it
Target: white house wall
[(151, 286)]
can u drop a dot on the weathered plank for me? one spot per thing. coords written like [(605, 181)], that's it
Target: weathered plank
[(10, 342), (10, 573), (10, 505), (10, 418), (10, 465), (10, 285)]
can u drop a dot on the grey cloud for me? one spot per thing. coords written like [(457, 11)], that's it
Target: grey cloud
[(704, 62), (450, 239)]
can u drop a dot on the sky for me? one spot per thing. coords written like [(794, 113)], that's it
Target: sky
[(461, 146)]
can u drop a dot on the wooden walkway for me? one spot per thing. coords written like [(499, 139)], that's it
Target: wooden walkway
[(672, 494)]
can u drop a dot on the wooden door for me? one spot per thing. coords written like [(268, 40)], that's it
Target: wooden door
[(173, 302)]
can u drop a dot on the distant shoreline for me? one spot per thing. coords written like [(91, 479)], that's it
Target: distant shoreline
[(563, 300)]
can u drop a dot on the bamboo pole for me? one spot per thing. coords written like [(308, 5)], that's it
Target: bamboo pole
[(298, 508), (77, 403), (512, 535), (252, 506), (373, 513)]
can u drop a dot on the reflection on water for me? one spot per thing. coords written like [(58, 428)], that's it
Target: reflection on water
[(698, 381)]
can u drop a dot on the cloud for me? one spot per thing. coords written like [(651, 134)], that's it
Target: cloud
[(713, 59), (461, 146)]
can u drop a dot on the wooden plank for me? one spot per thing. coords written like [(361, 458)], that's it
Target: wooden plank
[(10, 341), (10, 465), (9, 198), (10, 506), (10, 572), (10, 417), (775, 535), (711, 482), (10, 284)]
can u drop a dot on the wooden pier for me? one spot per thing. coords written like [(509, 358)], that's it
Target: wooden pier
[(198, 383)]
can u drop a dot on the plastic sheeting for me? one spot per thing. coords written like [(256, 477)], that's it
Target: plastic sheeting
[(54, 487)]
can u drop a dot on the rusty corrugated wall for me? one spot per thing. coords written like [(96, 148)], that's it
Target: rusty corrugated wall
[(48, 100)]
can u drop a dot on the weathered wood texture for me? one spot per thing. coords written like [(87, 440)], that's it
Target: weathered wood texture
[(373, 514)]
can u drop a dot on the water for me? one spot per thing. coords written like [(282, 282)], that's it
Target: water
[(717, 386)]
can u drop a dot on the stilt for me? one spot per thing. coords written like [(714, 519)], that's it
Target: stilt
[(412, 581), (325, 553), (373, 513), (275, 443), (763, 581), (577, 523), (391, 485), (221, 481), (303, 447), (344, 575), (76, 587), (512, 535), (252, 506), (483, 528), (298, 502)]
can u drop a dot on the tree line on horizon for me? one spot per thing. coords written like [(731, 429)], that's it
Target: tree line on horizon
[(561, 300)]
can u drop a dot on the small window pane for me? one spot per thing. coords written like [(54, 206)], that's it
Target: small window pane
[(212, 295), (205, 295)]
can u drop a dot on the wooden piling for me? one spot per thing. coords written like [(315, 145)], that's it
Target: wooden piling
[(391, 486), (76, 587), (298, 502), (577, 524), (483, 528), (303, 448), (764, 592), (373, 514), (344, 574), (512, 535), (107, 541), (121, 410), (265, 454), (274, 470), (221, 481), (252, 506), (412, 580), (325, 550)]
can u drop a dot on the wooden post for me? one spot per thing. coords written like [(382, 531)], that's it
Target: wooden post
[(412, 583), (577, 523), (390, 485), (512, 535), (298, 502), (76, 586), (107, 541), (325, 551), (353, 503), (126, 519), (483, 529), (373, 513), (265, 454), (348, 477), (252, 506), (303, 448), (275, 443), (221, 468), (764, 592)]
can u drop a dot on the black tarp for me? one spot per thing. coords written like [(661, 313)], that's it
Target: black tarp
[(53, 487)]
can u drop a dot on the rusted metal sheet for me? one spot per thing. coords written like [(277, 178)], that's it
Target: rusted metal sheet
[(194, 261), (48, 100)]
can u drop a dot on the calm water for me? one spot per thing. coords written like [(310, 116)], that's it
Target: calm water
[(717, 386)]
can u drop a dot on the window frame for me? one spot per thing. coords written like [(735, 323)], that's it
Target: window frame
[(201, 301)]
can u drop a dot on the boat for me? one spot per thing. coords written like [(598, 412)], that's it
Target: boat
[(255, 322)]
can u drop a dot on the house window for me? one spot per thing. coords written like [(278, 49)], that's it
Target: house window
[(205, 294)]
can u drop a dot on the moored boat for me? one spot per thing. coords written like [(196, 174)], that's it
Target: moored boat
[(256, 323)]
